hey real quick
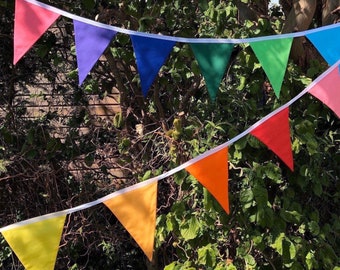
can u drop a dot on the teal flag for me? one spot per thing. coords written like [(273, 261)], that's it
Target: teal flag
[(273, 55), (212, 59)]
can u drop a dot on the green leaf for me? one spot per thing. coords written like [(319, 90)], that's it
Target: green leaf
[(190, 229), (317, 189), (290, 216), (173, 266), (310, 260), (273, 172), (147, 175), (246, 198), (261, 195), (264, 216), (314, 228), (89, 4), (277, 245), (289, 252), (207, 256), (250, 261)]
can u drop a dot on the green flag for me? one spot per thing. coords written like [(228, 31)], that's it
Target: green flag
[(212, 59), (273, 55)]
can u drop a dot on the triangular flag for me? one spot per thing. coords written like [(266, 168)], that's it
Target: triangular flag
[(91, 41), (212, 173), (136, 210), (150, 54), (212, 59), (327, 90), (31, 21), (327, 42), (36, 244), (275, 133), (273, 55)]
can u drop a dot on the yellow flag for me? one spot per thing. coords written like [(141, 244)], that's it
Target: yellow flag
[(136, 210), (36, 244), (212, 173)]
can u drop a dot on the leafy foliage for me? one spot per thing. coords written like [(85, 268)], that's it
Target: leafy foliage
[(279, 219)]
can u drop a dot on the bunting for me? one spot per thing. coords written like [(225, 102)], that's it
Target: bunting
[(138, 202), (275, 133), (136, 210), (327, 90), (273, 56), (327, 42), (212, 173), (32, 19), (36, 241), (212, 59), (36, 244), (150, 56), (30, 23), (91, 42)]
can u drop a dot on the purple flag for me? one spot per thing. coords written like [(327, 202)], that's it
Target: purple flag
[(150, 54), (91, 41)]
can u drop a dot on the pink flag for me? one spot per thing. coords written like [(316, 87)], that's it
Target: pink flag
[(327, 90), (274, 132), (31, 21)]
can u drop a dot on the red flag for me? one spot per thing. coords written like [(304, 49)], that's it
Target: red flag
[(327, 90), (212, 173), (31, 21), (274, 132)]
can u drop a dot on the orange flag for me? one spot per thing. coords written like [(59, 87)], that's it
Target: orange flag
[(274, 132), (36, 244), (136, 210), (212, 173)]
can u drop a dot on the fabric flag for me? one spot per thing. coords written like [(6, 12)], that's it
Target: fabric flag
[(31, 21), (212, 173), (212, 59), (91, 41), (327, 90), (273, 55), (136, 210), (36, 244), (275, 133), (327, 42), (150, 54)]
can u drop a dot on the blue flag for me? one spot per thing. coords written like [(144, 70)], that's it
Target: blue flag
[(150, 54), (327, 42)]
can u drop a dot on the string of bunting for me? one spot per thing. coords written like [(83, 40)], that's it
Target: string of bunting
[(36, 241), (33, 18)]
